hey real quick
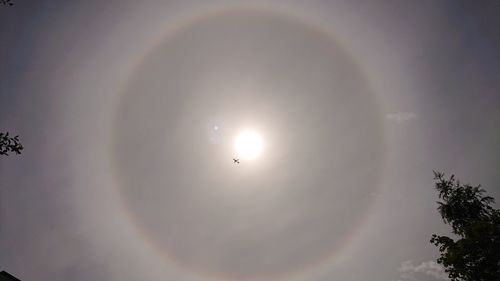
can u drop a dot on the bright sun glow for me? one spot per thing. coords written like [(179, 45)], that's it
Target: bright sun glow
[(248, 144)]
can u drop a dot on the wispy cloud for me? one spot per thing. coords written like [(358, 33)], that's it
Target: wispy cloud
[(426, 271), (402, 117)]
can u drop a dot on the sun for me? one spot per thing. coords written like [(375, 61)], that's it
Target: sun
[(248, 144)]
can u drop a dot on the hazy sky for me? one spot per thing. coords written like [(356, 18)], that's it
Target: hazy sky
[(128, 112)]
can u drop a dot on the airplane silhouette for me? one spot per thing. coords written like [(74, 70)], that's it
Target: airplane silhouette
[(236, 161)]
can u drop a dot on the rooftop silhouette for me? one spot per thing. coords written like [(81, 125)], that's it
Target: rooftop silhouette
[(5, 276)]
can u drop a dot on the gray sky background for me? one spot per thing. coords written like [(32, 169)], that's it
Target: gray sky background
[(124, 178)]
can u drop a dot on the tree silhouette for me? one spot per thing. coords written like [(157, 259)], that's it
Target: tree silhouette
[(9, 144), (7, 2), (475, 254)]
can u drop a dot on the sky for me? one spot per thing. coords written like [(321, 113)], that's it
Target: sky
[(128, 112)]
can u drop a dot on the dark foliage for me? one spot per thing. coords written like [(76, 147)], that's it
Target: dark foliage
[(7, 2), (9, 144), (475, 254)]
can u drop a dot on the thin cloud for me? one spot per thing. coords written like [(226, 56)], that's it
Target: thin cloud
[(426, 271), (402, 117)]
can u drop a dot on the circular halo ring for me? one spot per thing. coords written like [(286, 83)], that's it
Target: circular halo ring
[(299, 273)]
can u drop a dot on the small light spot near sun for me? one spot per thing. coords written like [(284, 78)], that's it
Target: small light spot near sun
[(248, 144), (216, 128)]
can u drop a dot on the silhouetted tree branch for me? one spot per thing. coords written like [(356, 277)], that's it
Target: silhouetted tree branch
[(9, 144), (475, 255), (7, 2)]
